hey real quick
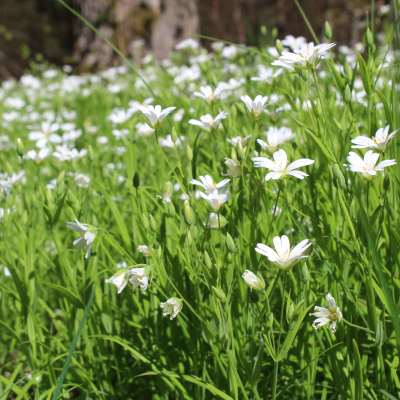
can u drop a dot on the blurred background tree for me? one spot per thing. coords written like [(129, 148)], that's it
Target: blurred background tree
[(44, 29)]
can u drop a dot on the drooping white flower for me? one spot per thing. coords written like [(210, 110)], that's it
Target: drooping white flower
[(46, 134), (366, 168), (86, 239), (233, 168), (215, 221), (208, 184), (280, 167), (139, 277), (144, 250), (380, 142), (207, 122), (293, 42), (155, 116), (37, 157), (236, 139), (119, 280), (305, 58), (284, 257), (208, 94), (254, 281), (172, 307), (328, 315), (217, 198), (256, 107)]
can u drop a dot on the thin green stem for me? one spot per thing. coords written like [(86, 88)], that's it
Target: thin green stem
[(358, 327), (274, 213)]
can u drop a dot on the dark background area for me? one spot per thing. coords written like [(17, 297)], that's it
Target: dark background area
[(44, 29)]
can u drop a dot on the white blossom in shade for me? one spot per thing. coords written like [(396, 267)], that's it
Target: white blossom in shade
[(134, 104), (380, 142), (215, 221), (267, 74), (284, 257), (37, 157), (330, 315), (86, 239), (120, 116), (46, 134), (155, 116), (120, 134), (366, 168), (234, 169), (172, 307), (208, 184), (217, 198), (82, 181), (280, 167), (306, 57), (256, 107), (139, 277), (293, 42), (254, 281), (167, 142), (187, 44), (144, 129), (119, 280), (144, 250), (207, 122), (236, 139), (208, 94)]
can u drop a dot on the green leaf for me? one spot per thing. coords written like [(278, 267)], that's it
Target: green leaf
[(70, 296), (358, 375), (386, 106), (257, 364), (364, 74)]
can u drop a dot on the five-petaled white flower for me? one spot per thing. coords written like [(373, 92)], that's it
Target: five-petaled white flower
[(215, 221), (256, 107), (208, 184), (284, 257), (37, 157), (380, 142), (327, 315), (237, 139), (139, 277), (216, 199), (294, 42), (46, 134), (86, 239), (207, 122), (281, 167), (172, 307), (267, 74), (208, 94), (305, 58), (233, 168), (254, 281), (155, 116), (366, 168)]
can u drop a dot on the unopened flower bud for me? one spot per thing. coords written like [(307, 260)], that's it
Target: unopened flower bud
[(189, 239), (174, 136), (230, 245), (263, 30), (328, 30), (274, 33), (337, 124), (305, 274), (187, 213), (136, 180), (240, 152), (219, 294), (171, 210), (145, 222), (305, 75), (347, 94), (319, 108), (153, 225), (207, 260), (20, 148), (279, 46), (189, 153), (386, 183), (347, 69), (338, 177), (194, 232), (369, 39), (90, 154), (254, 281)]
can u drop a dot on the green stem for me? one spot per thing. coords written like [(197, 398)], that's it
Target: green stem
[(358, 327), (273, 215)]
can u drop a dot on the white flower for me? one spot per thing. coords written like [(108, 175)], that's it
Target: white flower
[(208, 94), (236, 139), (281, 167), (380, 142), (88, 235), (327, 315), (120, 116), (256, 107), (52, 185), (284, 257), (267, 74), (143, 129), (305, 58), (37, 157), (172, 306), (155, 116), (366, 168), (119, 280), (139, 277), (46, 134), (187, 44), (120, 134), (166, 192), (254, 281), (216, 199), (215, 221), (134, 104), (144, 250), (208, 184), (233, 168), (63, 153), (82, 181), (293, 42), (207, 122), (167, 142)]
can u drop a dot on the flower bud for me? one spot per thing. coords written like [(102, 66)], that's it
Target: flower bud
[(254, 297), (174, 136), (353, 210), (386, 183), (189, 239), (230, 245), (189, 153), (347, 94), (305, 274), (187, 214), (304, 75), (153, 225), (20, 148), (254, 281), (319, 108), (279, 46), (347, 68), (263, 30), (328, 30), (240, 152), (219, 294), (337, 124), (90, 154), (369, 39), (136, 180), (145, 222), (338, 177), (207, 260), (171, 210), (274, 32)]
